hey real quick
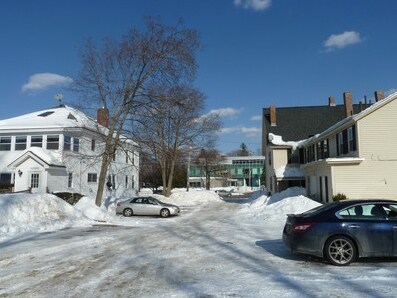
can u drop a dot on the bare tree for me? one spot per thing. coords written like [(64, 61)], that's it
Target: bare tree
[(149, 172), (171, 124), (117, 76), (208, 160)]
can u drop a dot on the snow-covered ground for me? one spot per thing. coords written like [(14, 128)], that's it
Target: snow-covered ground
[(213, 249)]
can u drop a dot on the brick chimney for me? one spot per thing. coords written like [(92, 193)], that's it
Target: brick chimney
[(331, 101), (348, 99), (273, 121), (103, 117), (379, 95)]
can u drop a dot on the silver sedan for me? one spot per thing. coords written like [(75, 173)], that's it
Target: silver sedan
[(146, 206)]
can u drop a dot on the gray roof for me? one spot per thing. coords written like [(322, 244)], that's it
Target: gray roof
[(300, 123)]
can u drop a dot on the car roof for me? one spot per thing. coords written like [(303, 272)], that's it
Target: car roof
[(363, 201)]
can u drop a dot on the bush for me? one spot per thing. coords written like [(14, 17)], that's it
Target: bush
[(71, 198), (339, 197)]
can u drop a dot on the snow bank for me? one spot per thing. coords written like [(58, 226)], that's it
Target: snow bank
[(25, 213), (276, 207), (87, 206), (34, 213), (191, 197)]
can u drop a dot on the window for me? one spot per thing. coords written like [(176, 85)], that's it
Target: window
[(70, 180), (92, 145), (34, 180), (66, 143), (325, 148), (365, 211), (92, 177), (5, 178), (391, 211), (322, 149), (36, 141), (339, 144), (5, 143), (346, 141), (132, 182), (76, 144), (310, 155), (126, 182), (352, 138), (53, 142), (113, 180), (45, 114), (20, 143)]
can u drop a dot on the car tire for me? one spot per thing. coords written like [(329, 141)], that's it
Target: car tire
[(340, 250), (164, 212), (128, 212)]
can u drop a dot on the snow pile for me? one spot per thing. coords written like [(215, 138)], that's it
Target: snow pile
[(31, 213), (290, 205), (192, 197), (87, 206), (106, 214), (26, 213), (276, 207)]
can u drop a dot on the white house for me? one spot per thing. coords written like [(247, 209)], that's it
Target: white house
[(60, 149)]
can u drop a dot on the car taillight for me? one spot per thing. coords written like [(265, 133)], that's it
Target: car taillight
[(300, 228)]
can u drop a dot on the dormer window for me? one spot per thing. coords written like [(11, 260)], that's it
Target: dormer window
[(71, 117), (45, 114)]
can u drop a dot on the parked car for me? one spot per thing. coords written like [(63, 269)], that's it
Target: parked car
[(224, 192), (146, 206), (341, 232)]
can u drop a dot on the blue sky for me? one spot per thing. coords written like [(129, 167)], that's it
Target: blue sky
[(257, 52)]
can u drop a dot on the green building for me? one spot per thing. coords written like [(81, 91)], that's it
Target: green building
[(232, 171)]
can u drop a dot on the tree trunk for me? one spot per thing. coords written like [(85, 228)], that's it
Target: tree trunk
[(101, 180), (170, 178), (164, 176)]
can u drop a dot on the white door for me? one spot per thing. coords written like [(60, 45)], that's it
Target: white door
[(35, 182)]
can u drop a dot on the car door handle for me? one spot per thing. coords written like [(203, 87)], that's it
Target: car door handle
[(354, 226)]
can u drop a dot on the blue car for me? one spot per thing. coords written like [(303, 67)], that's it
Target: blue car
[(341, 232)]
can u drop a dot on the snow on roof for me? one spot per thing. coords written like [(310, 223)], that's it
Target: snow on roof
[(289, 172), (278, 140), (57, 117), (46, 156)]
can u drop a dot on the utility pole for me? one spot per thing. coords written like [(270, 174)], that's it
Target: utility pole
[(188, 171)]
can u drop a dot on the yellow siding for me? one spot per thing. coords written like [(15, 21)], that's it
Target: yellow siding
[(376, 176), (280, 158), (314, 173)]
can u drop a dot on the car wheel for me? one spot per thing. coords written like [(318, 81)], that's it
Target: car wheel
[(128, 212), (340, 251), (164, 212)]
